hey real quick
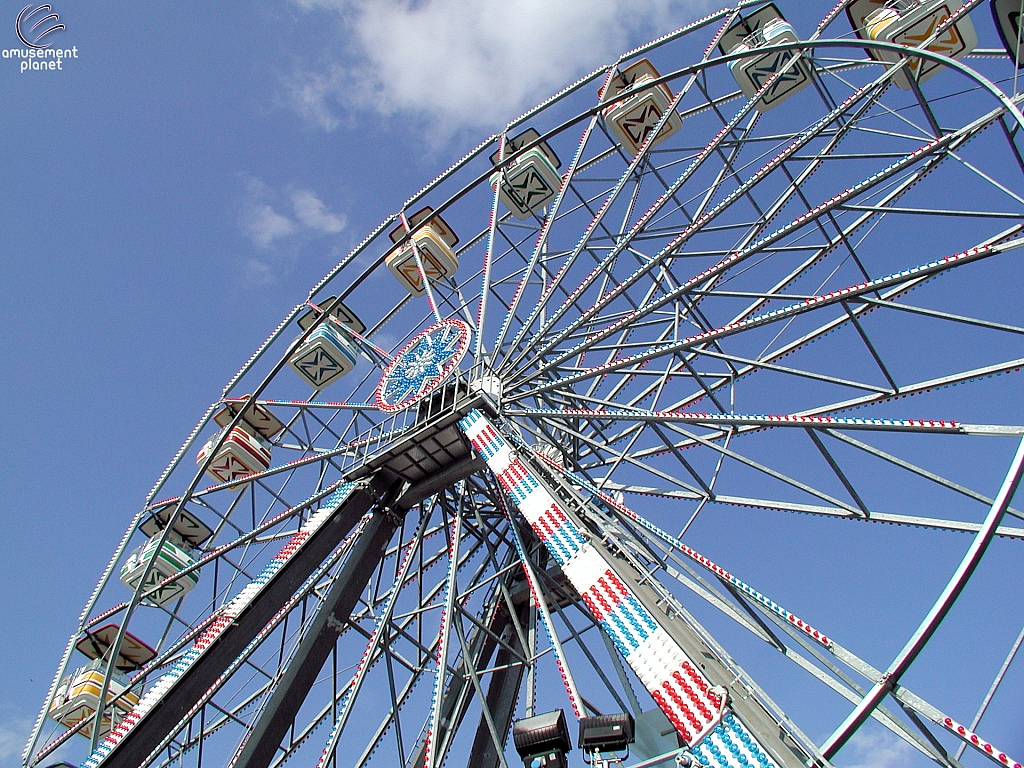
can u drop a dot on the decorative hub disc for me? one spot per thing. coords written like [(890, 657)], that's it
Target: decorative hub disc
[(422, 365)]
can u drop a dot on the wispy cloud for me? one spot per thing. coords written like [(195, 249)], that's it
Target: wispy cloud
[(301, 212), (467, 65), (312, 94), (14, 731), (876, 748), (277, 222), (313, 214), (264, 225)]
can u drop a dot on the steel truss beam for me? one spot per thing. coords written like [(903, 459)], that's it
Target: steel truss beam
[(318, 642), (137, 745)]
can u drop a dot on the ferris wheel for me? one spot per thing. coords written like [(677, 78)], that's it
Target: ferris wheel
[(661, 410)]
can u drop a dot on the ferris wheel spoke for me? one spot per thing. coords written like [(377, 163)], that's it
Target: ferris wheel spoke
[(931, 154), (433, 734), (716, 420), (788, 622), (845, 512), (485, 287), (598, 452), (843, 234), (835, 507), (1014, 197), (832, 675), (701, 221), (622, 244), (910, 390), (541, 242), (597, 222), (813, 509), (921, 472), (896, 282), (753, 464), (992, 690), (692, 438), (939, 609)]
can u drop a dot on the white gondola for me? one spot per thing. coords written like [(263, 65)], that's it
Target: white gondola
[(857, 11), (434, 242), (790, 74), (325, 356), (532, 180), (911, 23), (173, 556), (242, 453), (261, 419), (632, 119), (78, 695)]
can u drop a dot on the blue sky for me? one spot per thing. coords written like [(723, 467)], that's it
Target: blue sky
[(170, 193)]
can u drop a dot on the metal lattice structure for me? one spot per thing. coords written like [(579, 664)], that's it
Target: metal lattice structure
[(747, 300)]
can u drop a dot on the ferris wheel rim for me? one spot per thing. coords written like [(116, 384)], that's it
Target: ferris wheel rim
[(592, 113)]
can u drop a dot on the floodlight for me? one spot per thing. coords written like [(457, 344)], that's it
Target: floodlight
[(543, 740), (606, 733)]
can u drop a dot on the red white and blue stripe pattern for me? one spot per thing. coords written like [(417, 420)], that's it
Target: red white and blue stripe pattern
[(221, 621), (751, 420), (694, 555), (545, 615), (674, 681), (731, 745)]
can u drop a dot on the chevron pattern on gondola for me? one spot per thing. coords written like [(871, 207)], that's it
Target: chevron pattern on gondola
[(771, 64), (318, 365), (529, 189), (639, 123)]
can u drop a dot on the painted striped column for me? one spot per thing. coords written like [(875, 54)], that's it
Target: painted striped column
[(221, 620), (689, 700)]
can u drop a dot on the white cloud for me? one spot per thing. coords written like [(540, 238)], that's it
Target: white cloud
[(876, 748), (265, 224), (310, 94), (279, 222), (256, 273), (13, 734), (311, 211), (469, 64)]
